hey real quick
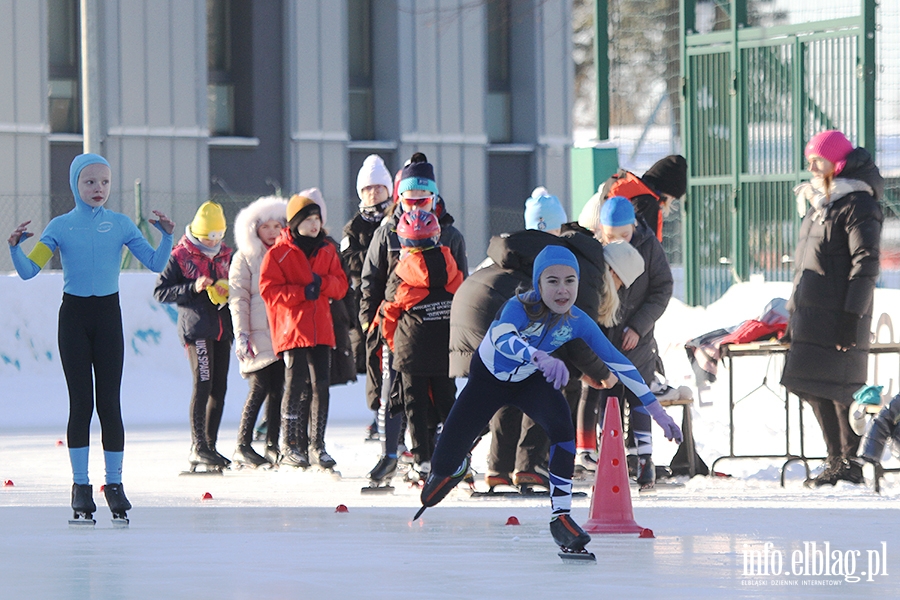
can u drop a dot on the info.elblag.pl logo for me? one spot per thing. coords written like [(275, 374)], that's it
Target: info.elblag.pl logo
[(812, 563)]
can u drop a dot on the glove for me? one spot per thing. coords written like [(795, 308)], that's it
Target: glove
[(662, 418), (216, 296), (312, 289), (555, 371), (242, 347), (848, 323)]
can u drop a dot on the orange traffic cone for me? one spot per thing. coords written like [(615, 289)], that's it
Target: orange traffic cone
[(611, 510)]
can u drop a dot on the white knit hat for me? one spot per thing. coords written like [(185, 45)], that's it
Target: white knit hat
[(373, 172), (589, 218), (624, 260)]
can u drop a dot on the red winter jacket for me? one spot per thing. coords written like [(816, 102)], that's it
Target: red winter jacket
[(284, 274)]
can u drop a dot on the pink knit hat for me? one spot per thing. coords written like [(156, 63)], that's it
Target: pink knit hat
[(833, 146)]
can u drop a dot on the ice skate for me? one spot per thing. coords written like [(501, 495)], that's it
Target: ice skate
[(418, 473), (372, 434), (570, 537), (526, 481), (272, 454), (118, 504), (586, 461), (494, 480), (293, 457), (645, 473), (204, 461), (437, 487), (260, 432), (222, 458), (324, 461), (246, 456), (380, 477), (83, 506)]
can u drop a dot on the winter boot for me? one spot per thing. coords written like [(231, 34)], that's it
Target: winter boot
[(294, 457), (829, 475), (851, 471), (567, 534), (321, 458), (384, 470), (116, 500), (246, 456), (201, 454), (437, 487), (645, 474), (83, 499)]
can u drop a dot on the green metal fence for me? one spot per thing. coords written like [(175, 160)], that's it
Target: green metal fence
[(752, 97)]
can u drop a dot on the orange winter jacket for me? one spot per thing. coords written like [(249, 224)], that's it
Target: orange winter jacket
[(296, 321), (415, 315)]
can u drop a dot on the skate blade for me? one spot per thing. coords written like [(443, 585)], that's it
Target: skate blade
[(204, 470), (82, 523), (120, 522), (377, 489), (419, 513), (576, 555)]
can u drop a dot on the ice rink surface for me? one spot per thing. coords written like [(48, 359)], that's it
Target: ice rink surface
[(276, 534)]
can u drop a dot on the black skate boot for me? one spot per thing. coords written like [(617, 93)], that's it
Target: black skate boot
[(83, 506), (570, 537), (322, 458), (246, 456), (829, 475), (645, 474), (118, 503), (207, 460), (222, 458), (380, 476), (437, 487), (272, 454), (851, 471), (294, 457)]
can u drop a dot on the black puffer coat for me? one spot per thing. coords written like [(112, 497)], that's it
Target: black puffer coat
[(512, 254), (644, 303), (358, 233), (836, 267)]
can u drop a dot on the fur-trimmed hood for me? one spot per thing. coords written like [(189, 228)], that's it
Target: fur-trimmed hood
[(245, 224)]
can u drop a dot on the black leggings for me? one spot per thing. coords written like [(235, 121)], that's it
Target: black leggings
[(209, 362), (306, 379), (266, 385), (834, 419), (483, 396), (91, 344)]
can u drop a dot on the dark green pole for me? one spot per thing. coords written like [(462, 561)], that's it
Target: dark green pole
[(601, 66), (866, 86)]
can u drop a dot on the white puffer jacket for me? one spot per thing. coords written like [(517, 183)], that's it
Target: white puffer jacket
[(248, 311)]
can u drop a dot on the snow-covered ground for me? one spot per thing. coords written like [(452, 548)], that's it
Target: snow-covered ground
[(275, 534)]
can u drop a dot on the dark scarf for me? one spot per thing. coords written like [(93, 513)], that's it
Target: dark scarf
[(308, 244)]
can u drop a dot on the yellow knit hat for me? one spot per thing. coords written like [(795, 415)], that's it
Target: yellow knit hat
[(209, 218)]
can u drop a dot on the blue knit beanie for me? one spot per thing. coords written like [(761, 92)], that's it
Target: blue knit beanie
[(543, 211), (78, 164), (617, 211), (549, 256)]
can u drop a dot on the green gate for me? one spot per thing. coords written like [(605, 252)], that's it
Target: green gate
[(752, 98)]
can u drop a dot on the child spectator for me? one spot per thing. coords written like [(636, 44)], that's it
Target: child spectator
[(415, 322), (373, 186), (299, 276), (642, 303), (256, 229), (196, 281), (417, 188), (90, 238)]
